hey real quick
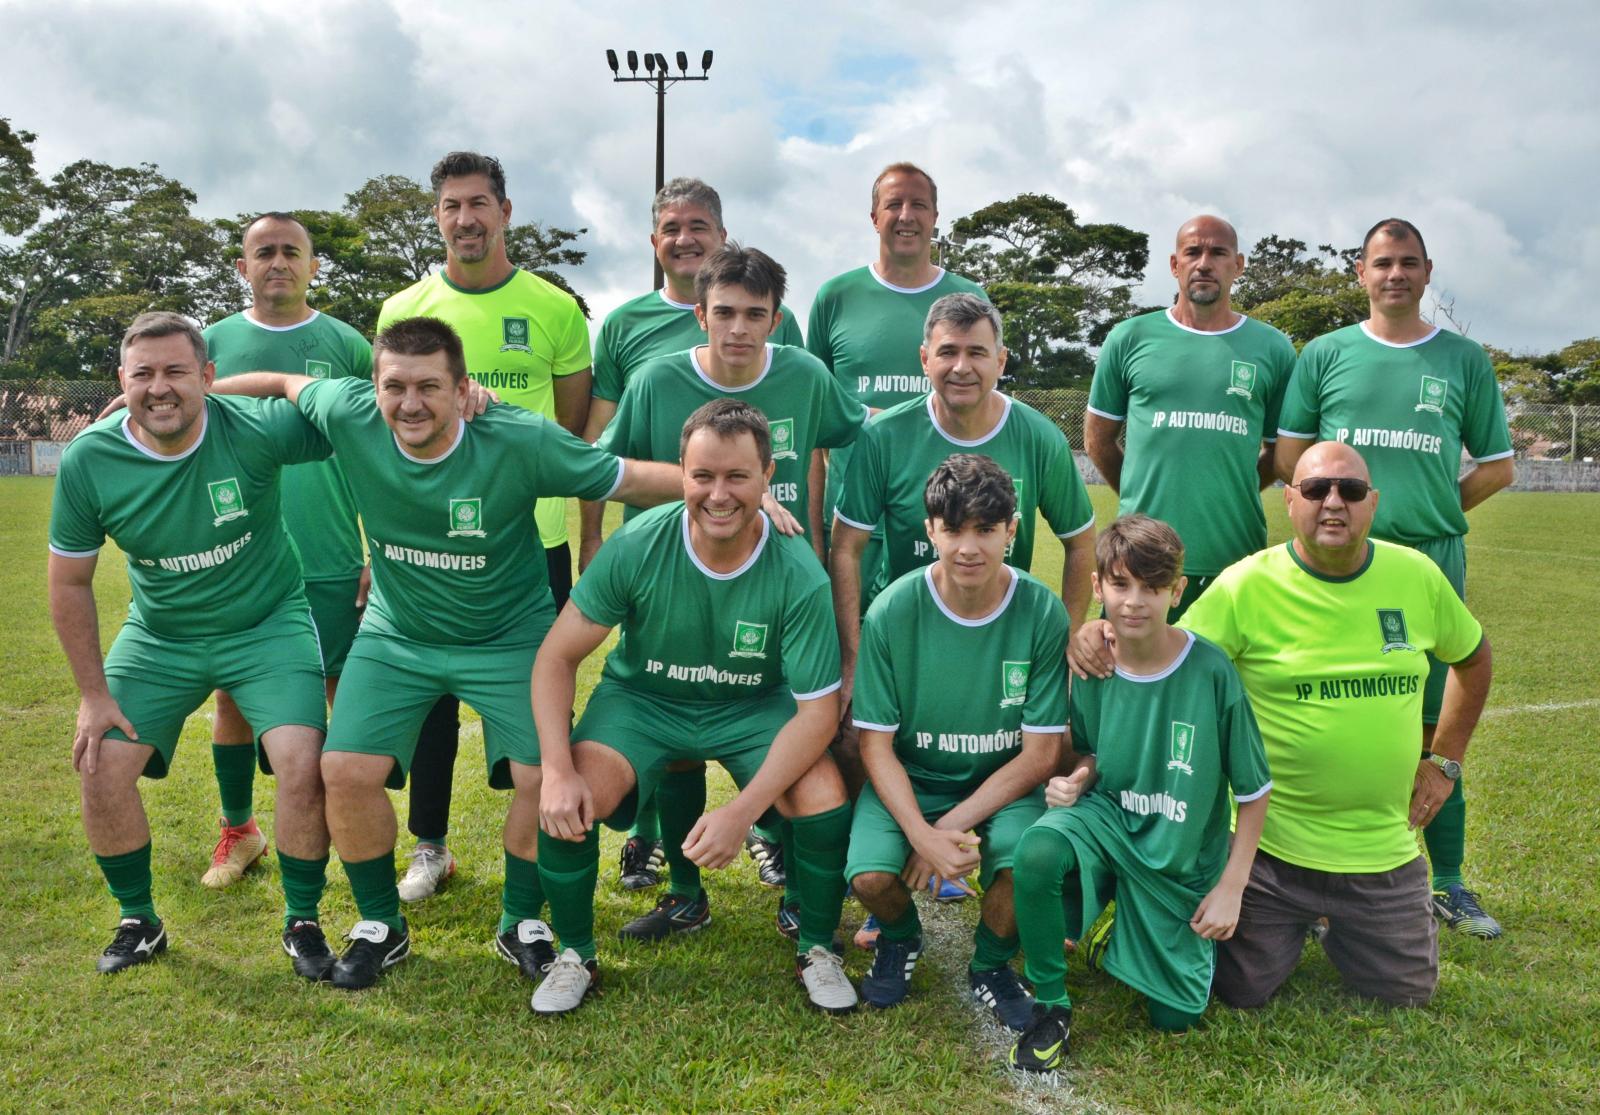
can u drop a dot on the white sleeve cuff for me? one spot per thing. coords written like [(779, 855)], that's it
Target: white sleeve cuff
[(1103, 414), (59, 552), (1045, 730), (1079, 530), (622, 468), (849, 522), (871, 727), (1243, 798), (1494, 457), (823, 692), (1296, 433)]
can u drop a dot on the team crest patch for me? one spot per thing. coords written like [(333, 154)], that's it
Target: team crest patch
[(1013, 683), (319, 369), (1182, 747), (782, 439), (1433, 394), (227, 503), (1392, 622), (749, 640), (466, 518), (1242, 379), (514, 334)]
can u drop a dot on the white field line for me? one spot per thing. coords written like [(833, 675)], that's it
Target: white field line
[(1548, 706), (1476, 546)]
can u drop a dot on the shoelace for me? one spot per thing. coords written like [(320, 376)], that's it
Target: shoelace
[(828, 967), (566, 976)]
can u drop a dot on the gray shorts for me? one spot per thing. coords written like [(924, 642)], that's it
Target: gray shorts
[(1381, 933)]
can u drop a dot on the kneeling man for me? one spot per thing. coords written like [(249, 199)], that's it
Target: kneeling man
[(728, 652)]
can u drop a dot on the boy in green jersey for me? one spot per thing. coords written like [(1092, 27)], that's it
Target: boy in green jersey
[(961, 695), (187, 486), (1143, 817), (459, 604), (727, 652)]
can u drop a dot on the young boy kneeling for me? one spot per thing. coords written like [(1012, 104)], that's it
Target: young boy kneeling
[(1143, 818)]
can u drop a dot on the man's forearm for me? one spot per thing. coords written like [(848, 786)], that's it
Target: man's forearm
[(1466, 689), (1246, 837), (1100, 443), (1287, 453), (1484, 479), (257, 385), (77, 624), (844, 563), (600, 414), (572, 394), (1020, 776), (1076, 587), (796, 747), (555, 686), (1266, 465), (890, 781), (648, 483)]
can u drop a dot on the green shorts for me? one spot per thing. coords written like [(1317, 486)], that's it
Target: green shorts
[(333, 608), (390, 682), (1152, 950), (878, 844), (1449, 553), (272, 671), (650, 731)]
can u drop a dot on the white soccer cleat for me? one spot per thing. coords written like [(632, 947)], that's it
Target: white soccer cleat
[(430, 866), (827, 987), (566, 984)]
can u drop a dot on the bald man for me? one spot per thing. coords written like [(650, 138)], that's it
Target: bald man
[(1197, 387), (1331, 633)]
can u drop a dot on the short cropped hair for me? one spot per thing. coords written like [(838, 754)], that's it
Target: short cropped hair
[(686, 191), (460, 164), (728, 418), (962, 312), (421, 336), (904, 168), (1146, 549), (1397, 227), (735, 265), (970, 488), (164, 323), (276, 215)]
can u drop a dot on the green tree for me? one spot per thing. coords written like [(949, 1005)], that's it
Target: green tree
[(1303, 294)]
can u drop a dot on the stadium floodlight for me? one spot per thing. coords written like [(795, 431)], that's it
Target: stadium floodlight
[(658, 74)]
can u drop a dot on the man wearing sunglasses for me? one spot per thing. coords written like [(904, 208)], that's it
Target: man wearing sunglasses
[(1410, 397), (1331, 634)]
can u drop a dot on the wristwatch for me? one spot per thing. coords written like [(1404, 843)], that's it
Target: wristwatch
[(1451, 768)]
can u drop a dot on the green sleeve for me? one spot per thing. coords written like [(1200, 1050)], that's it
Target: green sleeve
[(1244, 756), (1062, 497), (1281, 368), (861, 503), (1301, 414), (1215, 617), (607, 372), (324, 401), (570, 466), (1045, 709), (603, 593), (1484, 431), (818, 343), (572, 345), (811, 643), (875, 702), (1108, 391), (1457, 631), (358, 356), (625, 434), (789, 330), (293, 438), (843, 416), (1080, 705), (75, 527)]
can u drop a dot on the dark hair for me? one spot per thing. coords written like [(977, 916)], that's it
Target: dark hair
[(460, 164), (904, 168), (686, 191), (728, 418), (735, 265), (421, 336), (970, 488), (1146, 549), (164, 323), (276, 215), (961, 312), (1397, 227)]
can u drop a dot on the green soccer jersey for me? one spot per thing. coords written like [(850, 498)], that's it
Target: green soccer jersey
[(1409, 410), (654, 325), (692, 634), (1197, 407), (520, 336), (958, 693), (804, 406), (1167, 749), (1335, 668), (455, 557), (902, 446), (317, 506), (203, 532)]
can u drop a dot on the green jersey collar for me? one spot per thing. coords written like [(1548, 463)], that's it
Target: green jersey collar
[(694, 362), (1171, 668), (461, 435), (1295, 557), (478, 290), (981, 621), (755, 554), (205, 421), (953, 440)]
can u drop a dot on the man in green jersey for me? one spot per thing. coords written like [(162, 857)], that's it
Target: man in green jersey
[(738, 294), (527, 341), (961, 702), (1411, 397), (1143, 817), (460, 601), (1330, 633), (187, 487), (1197, 388), (727, 652), (280, 332)]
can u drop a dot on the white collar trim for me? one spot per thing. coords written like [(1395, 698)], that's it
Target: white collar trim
[(461, 433), (872, 269), (953, 440), (675, 305), (127, 432), (761, 544), (1173, 665), (1205, 332), (981, 621), (694, 362), (1432, 333), (248, 316)]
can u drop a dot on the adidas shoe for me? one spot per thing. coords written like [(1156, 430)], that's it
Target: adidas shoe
[(430, 866), (788, 919), (768, 857), (673, 914), (1002, 992), (566, 984), (867, 936), (828, 989), (1457, 907), (529, 945), (890, 977), (238, 849), (1043, 1045), (642, 863), (1097, 938), (137, 941), (308, 950), (373, 948)]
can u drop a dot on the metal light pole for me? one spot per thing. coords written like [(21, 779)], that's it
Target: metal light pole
[(655, 67)]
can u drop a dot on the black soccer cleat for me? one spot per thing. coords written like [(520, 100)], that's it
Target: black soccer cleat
[(530, 946), (768, 857), (1043, 1045), (673, 914), (641, 863), (137, 942), (373, 948), (308, 950)]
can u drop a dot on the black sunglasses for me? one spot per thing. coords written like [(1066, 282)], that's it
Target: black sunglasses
[(1317, 488)]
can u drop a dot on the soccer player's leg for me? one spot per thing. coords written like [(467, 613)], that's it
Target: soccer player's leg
[(240, 844), (1045, 889), (819, 811), (877, 854), (680, 799), (433, 771), (1382, 935), (996, 942)]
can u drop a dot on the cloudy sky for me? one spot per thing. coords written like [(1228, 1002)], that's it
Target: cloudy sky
[(1478, 121)]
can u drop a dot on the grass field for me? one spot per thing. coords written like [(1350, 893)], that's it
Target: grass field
[(714, 1022)]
